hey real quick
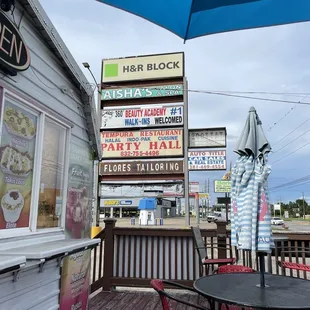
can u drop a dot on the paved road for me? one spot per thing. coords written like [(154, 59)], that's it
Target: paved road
[(179, 222), (298, 226)]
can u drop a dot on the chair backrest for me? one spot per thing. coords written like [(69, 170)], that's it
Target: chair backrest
[(199, 243), (158, 286), (234, 269)]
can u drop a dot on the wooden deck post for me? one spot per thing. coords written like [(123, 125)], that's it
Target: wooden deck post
[(108, 254), (221, 238)]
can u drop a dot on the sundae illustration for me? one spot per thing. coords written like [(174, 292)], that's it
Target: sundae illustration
[(12, 204), (77, 207)]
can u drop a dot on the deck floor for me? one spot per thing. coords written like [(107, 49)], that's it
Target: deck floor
[(140, 300)]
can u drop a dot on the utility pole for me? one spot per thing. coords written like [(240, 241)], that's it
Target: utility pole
[(208, 191), (303, 204)]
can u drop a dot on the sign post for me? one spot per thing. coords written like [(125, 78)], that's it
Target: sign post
[(186, 171), (197, 208)]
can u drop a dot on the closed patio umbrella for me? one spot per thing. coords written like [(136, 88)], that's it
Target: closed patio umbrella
[(251, 214), (190, 19)]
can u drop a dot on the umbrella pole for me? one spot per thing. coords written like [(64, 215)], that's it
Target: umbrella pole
[(262, 269)]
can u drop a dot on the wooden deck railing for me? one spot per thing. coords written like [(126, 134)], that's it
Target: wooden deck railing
[(130, 256), (296, 244)]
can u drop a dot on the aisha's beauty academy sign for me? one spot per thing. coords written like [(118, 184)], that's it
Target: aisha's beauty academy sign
[(142, 143), (142, 92)]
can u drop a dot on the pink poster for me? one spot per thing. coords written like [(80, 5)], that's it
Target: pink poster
[(75, 275)]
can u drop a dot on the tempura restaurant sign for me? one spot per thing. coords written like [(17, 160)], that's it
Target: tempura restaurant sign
[(142, 143), (14, 54), (141, 167), (139, 117), (145, 92), (209, 137), (207, 160), (143, 68)]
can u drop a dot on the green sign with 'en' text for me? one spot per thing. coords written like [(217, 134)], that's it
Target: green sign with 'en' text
[(145, 92), (222, 186)]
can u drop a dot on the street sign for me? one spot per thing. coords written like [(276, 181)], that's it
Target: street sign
[(223, 200)]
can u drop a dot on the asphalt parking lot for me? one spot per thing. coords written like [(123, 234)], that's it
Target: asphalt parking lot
[(179, 222)]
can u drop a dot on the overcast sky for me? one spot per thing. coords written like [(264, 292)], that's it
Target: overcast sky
[(272, 60)]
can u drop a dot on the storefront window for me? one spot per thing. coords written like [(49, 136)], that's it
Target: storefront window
[(52, 175), (33, 167), (17, 152)]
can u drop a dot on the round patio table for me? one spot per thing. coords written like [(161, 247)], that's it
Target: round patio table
[(243, 289)]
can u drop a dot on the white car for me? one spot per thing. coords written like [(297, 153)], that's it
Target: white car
[(211, 218), (277, 221)]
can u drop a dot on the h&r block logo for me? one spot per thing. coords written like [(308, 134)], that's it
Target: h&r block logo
[(110, 70)]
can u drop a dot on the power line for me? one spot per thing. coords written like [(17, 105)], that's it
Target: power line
[(286, 114), (307, 120), (291, 153), (291, 141), (291, 186), (294, 183), (248, 97)]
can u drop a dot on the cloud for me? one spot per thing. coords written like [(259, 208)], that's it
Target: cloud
[(271, 60)]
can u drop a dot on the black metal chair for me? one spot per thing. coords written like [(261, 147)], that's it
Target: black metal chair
[(158, 286), (203, 252)]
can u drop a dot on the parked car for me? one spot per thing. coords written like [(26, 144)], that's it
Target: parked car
[(211, 218), (277, 221)]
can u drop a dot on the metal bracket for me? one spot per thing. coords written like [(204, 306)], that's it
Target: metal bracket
[(60, 261), (16, 275), (41, 266)]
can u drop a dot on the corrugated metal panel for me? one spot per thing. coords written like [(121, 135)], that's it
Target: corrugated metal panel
[(33, 289), (171, 257)]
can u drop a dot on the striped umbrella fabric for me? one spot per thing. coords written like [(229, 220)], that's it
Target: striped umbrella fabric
[(250, 210)]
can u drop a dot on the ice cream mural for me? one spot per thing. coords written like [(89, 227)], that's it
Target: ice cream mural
[(18, 140), (75, 281), (78, 211)]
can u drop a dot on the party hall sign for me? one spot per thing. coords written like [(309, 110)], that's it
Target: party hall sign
[(142, 143), (142, 117)]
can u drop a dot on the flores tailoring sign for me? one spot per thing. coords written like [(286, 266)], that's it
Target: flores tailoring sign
[(143, 67), (14, 54), (145, 92), (141, 167), (142, 143), (207, 160), (138, 117)]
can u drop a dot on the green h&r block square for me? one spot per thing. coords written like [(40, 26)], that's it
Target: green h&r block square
[(110, 70)]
